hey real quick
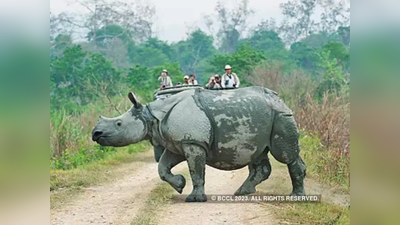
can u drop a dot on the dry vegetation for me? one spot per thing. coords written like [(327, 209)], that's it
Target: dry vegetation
[(324, 116)]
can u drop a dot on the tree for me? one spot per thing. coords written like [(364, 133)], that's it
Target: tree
[(335, 15), (156, 43), (192, 51), (305, 56), (269, 42), (231, 24), (107, 33), (112, 41), (317, 40), (79, 77), (344, 33), (340, 53), (61, 42), (147, 56), (333, 78), (297, 21), (134, 17), (242, 61), (173, 71)]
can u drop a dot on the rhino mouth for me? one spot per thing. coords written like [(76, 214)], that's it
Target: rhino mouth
[(99, 138), (102, 140)]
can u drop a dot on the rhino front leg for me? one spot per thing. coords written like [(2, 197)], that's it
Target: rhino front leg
[(167, 161), (196, 158), (158, 151)]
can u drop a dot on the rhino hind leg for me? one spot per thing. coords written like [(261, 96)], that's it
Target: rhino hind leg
[(167, 161), (196, 159), (285, 148), (297, 171), (258, 172)]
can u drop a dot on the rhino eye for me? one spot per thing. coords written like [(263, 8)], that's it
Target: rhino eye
[(119, 123)]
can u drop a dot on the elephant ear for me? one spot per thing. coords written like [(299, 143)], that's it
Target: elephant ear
[(134, 100)]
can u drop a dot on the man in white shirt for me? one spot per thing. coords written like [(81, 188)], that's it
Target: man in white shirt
[(192, 80), (229, 79), (165, 80)]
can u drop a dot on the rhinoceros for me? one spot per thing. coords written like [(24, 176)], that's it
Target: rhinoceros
[(225, 129)]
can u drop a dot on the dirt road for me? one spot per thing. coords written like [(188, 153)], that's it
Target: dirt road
[(217, 183), (119, 201), (113, 203)]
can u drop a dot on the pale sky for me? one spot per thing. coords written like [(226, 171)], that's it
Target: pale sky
[(173, 17)]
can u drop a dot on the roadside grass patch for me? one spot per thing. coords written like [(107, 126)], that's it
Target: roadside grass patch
[(159, 196), (326, 165), (311, 213), (65, 183)]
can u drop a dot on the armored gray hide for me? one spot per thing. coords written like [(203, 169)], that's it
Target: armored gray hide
[(225, 129)]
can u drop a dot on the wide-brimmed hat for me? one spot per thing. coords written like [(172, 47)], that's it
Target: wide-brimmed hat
[(228, 67), (165, 71), (186, 77)]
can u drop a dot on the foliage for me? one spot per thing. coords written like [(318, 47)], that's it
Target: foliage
[(192, 51), (326, 117), (173, 71), (269, 42), (107, 33), (79, 170), (305, 56), (61, 42), (232, 23), (312, 213), (241, 61), (307, 62), (78, 77), (317, 40), (339, 52), (333, 78), (323, 164), (147, 56)]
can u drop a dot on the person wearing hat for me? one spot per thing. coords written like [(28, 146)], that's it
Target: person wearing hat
[(186, 80), (229, 79), (165, 80)]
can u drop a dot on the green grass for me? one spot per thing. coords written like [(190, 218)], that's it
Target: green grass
[(90, 173), (318, 161), (158, 198), (326, 166), (66, 183), (311, 213)]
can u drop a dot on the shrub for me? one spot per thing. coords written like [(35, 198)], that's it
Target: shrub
[(327, 117)]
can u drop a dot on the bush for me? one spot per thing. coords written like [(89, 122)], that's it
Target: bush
[(327, 117)]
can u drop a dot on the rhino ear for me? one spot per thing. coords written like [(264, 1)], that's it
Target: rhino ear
[(134, 100)]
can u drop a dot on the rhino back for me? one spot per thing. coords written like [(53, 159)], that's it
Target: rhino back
[(185, 123), (242, 121)]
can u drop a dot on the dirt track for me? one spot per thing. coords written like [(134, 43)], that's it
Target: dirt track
[(113, 203), (118, 202)]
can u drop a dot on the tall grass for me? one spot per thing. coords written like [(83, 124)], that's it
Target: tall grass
[(327, 116), (70, 134)]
